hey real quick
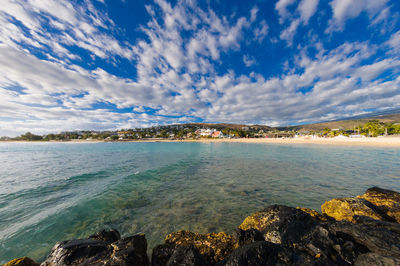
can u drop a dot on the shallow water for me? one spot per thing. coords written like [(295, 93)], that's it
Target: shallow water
[(56, 191)]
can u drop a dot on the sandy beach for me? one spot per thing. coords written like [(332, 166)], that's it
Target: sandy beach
[(373, 142)]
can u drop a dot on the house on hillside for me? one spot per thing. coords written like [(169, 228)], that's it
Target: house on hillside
[(205, 132), (124, 134), (217, 134)]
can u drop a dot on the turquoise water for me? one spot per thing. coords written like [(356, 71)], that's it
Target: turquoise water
[(56, 191)]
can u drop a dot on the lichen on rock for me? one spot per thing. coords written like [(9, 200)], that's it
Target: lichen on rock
[(347, 208), (313, 213), (24, 261), (214, 246), (387, 200)]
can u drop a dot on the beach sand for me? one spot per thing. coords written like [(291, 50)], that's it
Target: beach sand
[(373, 142), (377, 142)]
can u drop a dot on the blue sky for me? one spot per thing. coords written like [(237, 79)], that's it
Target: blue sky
[(112, 64)]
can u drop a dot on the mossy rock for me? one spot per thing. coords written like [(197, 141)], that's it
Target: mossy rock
[(214, 246), (346, 208), (24, 261), (313, 213), (387, 200), (280, 224)]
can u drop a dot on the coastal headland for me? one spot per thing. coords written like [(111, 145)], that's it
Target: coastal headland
[(361, 230)]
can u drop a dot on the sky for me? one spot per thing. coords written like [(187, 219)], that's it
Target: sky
[(118, 64)]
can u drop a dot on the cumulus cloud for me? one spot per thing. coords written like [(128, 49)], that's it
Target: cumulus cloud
[(347, 9), (181, 75), (304, 11)]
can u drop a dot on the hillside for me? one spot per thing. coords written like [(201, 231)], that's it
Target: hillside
[(346, 124)]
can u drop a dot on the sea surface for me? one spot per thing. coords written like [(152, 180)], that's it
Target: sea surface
[(51, 192)]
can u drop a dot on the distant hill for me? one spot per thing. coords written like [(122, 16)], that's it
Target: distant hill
[(347, 124), (230, 126)]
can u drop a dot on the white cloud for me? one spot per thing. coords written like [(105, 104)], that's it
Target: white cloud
[(178, 74), (347, 9), (307, 9), (261, 31), (83, 27), (289, 32), (281, 7), (249, 60), (394, 42)]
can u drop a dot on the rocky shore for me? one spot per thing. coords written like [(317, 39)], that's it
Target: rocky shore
[(364, 230)]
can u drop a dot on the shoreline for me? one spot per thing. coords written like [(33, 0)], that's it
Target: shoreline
[(360, 230), (391, 142)]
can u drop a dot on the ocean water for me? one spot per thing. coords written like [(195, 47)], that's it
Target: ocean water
[(51, 192)]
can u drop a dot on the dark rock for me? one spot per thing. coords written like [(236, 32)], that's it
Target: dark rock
[(107, 236), (187, 255), (266, 253), (310, 238), (162, 253), (280, 224), (24, 261), (244, 237), (213, 246), (130, 251), (394, 227), (369, 259), (387, 200), (98, 250), (378, 240), (256, 254), (171, 254)]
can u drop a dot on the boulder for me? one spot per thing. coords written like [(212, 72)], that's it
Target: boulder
[(100, 249), (379, 240), (108, 236), (244, 237), (213, 246), (280, 224), (188, 256), (310, 239), (347, 208), (387, 200), (24, 261), (369, 259), (313, 213), (162, 253), (257, 254)]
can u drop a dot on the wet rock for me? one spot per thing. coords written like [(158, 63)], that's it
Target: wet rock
[(171, 254), (99, 250), (24, 261), (162, 253), (310, 239), (108, 236), (130, 250), (369, 259), (395, 227), (347, 208), (256, 254), (187, 255), (266, 253), (378, 240), (213, 246), (313, 214), (280, 224), (387, 200), (244, 237)]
